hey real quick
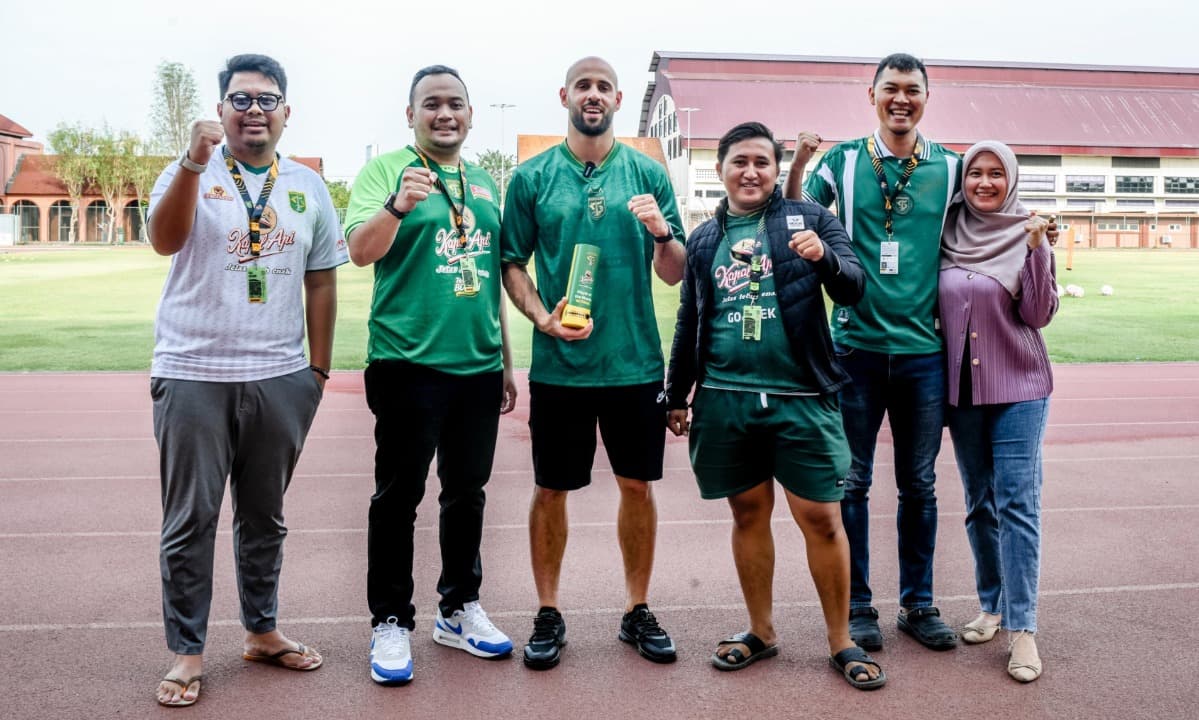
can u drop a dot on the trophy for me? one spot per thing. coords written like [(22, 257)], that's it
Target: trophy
[(580, 287)]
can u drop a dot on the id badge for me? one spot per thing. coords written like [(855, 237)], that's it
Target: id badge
[(468, 277), (888, 260), (256, 284), (751, 322)]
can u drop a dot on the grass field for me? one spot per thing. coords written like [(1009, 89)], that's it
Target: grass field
[(93, 309)]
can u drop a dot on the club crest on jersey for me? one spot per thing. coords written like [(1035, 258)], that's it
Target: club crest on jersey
[(297, 201), (218, 193), (595, 202), (903, 204)]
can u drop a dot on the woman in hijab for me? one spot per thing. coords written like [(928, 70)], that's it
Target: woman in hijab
[(997, 290)]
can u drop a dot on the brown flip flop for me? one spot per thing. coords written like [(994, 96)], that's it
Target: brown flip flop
[(277, 658), (184, 685)]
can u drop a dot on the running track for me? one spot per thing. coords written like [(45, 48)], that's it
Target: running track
[(80, 631)]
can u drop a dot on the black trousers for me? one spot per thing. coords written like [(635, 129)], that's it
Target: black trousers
[(419, 411)]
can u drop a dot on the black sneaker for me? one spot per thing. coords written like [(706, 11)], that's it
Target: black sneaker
[(639, 627), (549, 635)]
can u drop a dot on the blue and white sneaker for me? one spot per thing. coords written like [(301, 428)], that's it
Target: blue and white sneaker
[(391, 654), (470, 629)]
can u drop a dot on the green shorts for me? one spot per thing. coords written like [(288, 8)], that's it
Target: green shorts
[(740, 440)]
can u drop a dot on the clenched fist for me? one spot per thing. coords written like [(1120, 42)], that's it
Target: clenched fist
[(645, 208), (206, 135), (415, 185), (807, 245)]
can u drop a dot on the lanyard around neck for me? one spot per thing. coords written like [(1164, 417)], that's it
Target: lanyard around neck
[(890, 194), (253, 209), (459, 211)]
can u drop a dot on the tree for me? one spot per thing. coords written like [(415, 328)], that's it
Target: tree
[(499, 166), (75, 147), (145, 171), (176, 105), (339, 190), (112, 172)]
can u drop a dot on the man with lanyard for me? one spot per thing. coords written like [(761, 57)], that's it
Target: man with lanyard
[(593, 190), (892, 190), (439, 370), (752, 337), (254, 241)]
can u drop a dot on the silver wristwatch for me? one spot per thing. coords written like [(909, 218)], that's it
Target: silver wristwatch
[(187, 164)]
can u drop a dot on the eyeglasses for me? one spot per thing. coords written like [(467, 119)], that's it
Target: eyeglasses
[(242, 101)]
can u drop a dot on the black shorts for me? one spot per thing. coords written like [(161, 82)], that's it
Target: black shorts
[(562, 420)]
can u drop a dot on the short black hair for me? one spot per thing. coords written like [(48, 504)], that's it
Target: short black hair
[(260, 64), (903, 63), (434, 70), (747, 131)]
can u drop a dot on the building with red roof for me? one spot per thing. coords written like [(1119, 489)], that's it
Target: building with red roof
[(1113, 151), (31, 189)]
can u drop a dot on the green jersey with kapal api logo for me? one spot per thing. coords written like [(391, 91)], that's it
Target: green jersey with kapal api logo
[(766, 365), (555, 202), (419, 310)]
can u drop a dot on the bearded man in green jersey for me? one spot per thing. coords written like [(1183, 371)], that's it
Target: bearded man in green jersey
[(439, 370), (593, 190)]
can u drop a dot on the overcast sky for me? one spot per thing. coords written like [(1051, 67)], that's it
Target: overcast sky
[(349, 64)]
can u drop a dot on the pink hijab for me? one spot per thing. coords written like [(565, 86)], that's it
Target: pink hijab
[(992, 243)]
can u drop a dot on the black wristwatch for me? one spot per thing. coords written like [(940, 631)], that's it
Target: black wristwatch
[(663, 239), (389, 206)]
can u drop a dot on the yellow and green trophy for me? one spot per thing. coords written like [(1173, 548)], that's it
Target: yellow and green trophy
[(580, 287)]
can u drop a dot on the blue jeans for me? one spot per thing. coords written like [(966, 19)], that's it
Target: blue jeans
[(998, 448), (910, 389)]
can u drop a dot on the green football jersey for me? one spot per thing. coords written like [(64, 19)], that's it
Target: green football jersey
[(897, 313), (420, 310), (555, 202), (731, 362)]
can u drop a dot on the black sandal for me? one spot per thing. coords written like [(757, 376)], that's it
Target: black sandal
[(735, 659), (858, 677)]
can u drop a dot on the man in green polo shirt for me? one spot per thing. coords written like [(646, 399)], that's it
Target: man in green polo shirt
[(892, 190), (439, 371), (593, 190)]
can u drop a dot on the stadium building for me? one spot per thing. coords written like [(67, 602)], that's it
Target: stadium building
[(1112, 151)]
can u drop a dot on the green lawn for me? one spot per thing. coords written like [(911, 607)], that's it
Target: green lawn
[(93, 309)]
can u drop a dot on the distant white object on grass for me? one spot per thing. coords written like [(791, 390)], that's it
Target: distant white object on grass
[(1105, 290), (1075, 291), (1060, 290)]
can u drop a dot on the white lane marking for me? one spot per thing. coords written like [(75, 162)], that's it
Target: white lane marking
[(344, 438), (610, 611), (678, 468), (880, 518)]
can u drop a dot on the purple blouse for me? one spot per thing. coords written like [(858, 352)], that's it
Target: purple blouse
[(1008, 360)]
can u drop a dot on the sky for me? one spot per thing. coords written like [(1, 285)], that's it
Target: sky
[(350, 64)]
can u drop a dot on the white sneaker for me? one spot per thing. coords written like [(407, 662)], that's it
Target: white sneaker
[(391, 654), (470, 629)]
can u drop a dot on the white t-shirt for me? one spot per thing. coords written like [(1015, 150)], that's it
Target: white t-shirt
[(207, 329)]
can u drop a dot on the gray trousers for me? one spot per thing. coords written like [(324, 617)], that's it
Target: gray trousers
[(252, 433)]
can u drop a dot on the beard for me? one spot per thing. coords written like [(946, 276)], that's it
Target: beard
[(580, 123)]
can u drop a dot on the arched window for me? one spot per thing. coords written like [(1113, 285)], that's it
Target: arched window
[(132, 223), (60, 221), (97, 222), (30, 221)]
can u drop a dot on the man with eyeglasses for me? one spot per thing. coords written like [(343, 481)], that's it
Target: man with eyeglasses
[(439, 370), (254, 244), (593, 192)]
